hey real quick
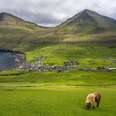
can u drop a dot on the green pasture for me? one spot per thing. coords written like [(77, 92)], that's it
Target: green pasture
[(55, 94), (88, 55), (62, 78), (55, 102)]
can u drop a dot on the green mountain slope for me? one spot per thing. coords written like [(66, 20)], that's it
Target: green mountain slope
[(14, 30), (88, 22), (8, 20), (91, 41), (86, 26)]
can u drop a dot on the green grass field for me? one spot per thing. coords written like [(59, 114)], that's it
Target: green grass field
[(56, 94), (55, 102), (63, 78)]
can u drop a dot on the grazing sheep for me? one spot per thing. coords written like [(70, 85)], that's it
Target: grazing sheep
[(92, 99)]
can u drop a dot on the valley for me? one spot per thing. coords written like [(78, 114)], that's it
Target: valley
[(87, 38)]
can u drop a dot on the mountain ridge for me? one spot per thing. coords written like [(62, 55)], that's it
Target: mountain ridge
[(91, 19), (86, 26), (5, 15), (10, 19), (75, 16)]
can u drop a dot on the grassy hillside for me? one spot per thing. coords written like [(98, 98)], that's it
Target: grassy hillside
[(88, 22), (14, 30), (88, 55), (87, 27)]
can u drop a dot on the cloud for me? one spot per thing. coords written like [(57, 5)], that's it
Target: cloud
[(53, 12)]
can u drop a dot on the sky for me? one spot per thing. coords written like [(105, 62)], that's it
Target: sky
[(54, 12)]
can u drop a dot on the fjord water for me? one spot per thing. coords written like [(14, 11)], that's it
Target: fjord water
[(7, 60)]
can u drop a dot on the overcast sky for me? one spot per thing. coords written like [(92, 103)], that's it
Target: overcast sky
[(53, 12)]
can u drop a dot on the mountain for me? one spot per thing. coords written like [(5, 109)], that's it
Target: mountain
[(89, 21), (14, 32), (86, 26), (12, 21)]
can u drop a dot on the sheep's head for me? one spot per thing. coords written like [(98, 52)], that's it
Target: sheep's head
[(88, 105)]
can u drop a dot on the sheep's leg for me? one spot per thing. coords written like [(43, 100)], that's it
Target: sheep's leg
[(97, 101), (93, 104)]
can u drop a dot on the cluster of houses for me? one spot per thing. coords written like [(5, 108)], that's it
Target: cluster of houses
[(38, 66)]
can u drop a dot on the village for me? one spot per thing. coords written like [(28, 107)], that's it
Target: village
[(70, 65)]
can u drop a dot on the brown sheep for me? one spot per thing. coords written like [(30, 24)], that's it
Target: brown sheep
[(92, 100)]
